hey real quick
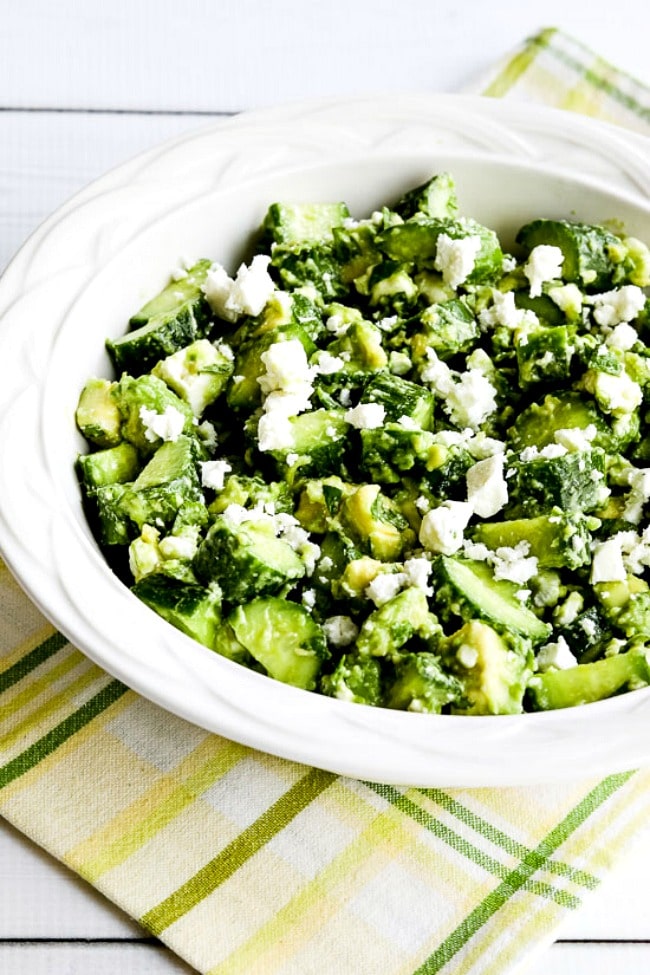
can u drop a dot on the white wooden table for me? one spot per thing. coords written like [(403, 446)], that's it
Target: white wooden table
[(84, 85)]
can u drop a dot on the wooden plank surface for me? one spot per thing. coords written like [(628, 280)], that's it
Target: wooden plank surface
[(85, 85)]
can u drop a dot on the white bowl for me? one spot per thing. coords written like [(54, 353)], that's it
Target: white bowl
[(81, 275)]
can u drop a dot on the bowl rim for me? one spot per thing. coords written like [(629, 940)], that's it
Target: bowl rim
[(377, 744)]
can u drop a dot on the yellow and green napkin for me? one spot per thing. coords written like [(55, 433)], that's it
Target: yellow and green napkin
[(246, 864)]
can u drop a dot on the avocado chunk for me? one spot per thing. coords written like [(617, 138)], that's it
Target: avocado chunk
[(493, 670), (142, 394), (283, 638), (115, 465), (98, 414), (190, 608), (375, 523)]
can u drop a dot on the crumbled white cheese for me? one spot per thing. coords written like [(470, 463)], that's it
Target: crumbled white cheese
[(442, 528), (213, 473), (417, 571), (181, 546), (639, 481), (616, 394), (366, 416), (387, 324), (309, 599), (246, 294), (620, 305), (568, 298), (455, 259), (340, 631), (274, 432), (480, 446), (467, 656), (504, 311), (472, 400), (385, 586), (487, 490), (207, 432), (399, 363), (167, 425), (327, 364), (555, 656), (576, 438), (437, 374), (623, 336), (337, 325), (544, 264), (529, 453), (553, 450), (476, 551), (607, 562), (287, 368), (514, 563)]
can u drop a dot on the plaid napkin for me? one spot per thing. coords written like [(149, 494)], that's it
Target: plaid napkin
[(246, 864)]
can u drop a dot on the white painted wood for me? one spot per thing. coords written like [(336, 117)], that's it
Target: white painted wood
[(82, 959), (40, 898), (145, 959), (234, 54)]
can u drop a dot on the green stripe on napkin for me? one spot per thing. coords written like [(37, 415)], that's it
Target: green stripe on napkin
[(246, 864)]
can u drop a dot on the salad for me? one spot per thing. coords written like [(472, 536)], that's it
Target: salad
[(389, 462)]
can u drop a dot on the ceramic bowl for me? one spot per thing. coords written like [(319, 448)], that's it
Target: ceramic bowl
[(79, 277)]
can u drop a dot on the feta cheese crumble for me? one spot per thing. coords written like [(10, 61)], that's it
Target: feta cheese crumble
[(167, 425), (213, 473), (487, 490), (366, 416), (620, 305), (555, 656), (544, 264), (442, 528), (455, 258), (246, 294), (340, 631)]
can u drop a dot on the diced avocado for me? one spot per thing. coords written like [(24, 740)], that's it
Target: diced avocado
[(436, 198), (585, 248), (585, 683), (147, 393), (300, 223), (173, 319), (197, 373), (392, 625), (98, 415), (115, 465), (190, 608), (449, 327), (375, 522), (556, 540), (469, 590), (246, 560), (361, 349), (421, 684), (573, 482), (492, 669), (389, 287), (400, 398), (162, 487), (356, 679), (283, 637), (319, 503)]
